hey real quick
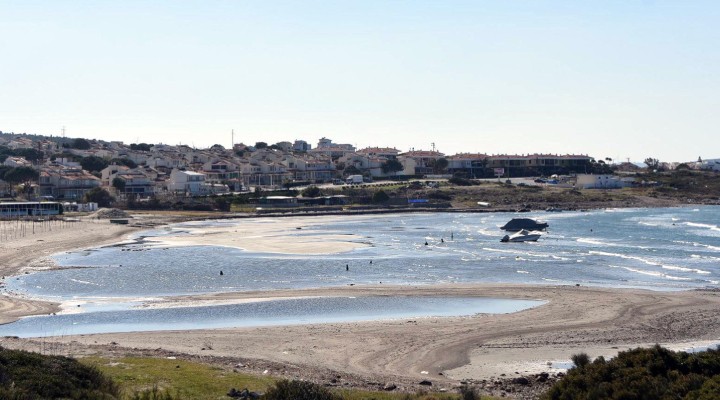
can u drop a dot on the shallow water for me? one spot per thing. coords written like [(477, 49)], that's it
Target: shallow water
[(265, 313), (665, 249), (661, 249)]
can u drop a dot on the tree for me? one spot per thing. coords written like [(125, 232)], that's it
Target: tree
[(312, 191), (441, 165), (29, 154), (80, 144), (93, 163), (100, 196), (124, 161), (380, 197), (391, 166), (119, 184), (652, 163), (260, 145), (140, 146), (20, 175), (351, 170)]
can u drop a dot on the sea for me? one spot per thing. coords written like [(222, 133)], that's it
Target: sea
[(658, 249)]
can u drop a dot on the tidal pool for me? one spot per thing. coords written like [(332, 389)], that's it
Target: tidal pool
[(264, 313)]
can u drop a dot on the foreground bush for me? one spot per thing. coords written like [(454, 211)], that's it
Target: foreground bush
[(25, 375), (299, 390), (647, 374)]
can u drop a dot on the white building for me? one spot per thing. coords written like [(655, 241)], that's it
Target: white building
[(713, 165), (591, 181), (186, 182)]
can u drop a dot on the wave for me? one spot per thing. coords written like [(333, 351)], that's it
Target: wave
[(696, 244), (594, 241), (648, 262), (707, 226), (653, 273), (704, 257), (685, 269)]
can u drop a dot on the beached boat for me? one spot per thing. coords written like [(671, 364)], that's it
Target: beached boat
[(522, 236), (518, 224)]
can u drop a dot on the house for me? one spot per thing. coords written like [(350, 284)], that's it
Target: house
[(186, 182), (16, 162), (128, 181), (423, 161), (472, 165), (301, 146), (328, 148), (65, 182), (382, 152), (223, 172)]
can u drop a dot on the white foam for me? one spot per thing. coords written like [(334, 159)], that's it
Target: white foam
[(685, 269), (707, 226), (648, 262), (656, 274), (84, 282), (593, 241)]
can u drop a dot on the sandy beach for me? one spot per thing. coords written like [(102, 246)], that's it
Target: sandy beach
[(598, 321)]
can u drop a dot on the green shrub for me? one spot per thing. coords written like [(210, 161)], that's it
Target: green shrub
[(25, 375), (299, 390), (654, 373), (155, 394)]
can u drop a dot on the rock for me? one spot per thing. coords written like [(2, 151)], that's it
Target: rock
[(426, 383), (521, 381), (542, 377), (389, 387)]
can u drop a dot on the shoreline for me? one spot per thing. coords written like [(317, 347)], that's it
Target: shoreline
[(445, 350)]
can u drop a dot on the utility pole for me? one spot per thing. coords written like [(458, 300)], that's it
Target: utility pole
[(63, 132), (433, 146), (232, 139)]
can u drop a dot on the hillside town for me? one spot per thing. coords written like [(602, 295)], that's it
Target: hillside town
[(40, 167)]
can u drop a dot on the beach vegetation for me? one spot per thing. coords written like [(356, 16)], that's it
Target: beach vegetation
[(652, 373), (299, 390), (26, 375), (147, 377), (580, 360)]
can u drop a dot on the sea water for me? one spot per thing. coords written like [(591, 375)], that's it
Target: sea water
[(660, 249)]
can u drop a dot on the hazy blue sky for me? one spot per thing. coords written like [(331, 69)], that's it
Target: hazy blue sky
[(619, 79)]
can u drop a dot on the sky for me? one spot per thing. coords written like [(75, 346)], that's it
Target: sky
[(619, 79)]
